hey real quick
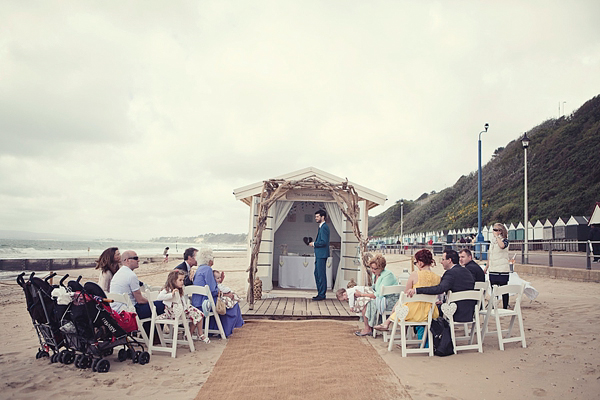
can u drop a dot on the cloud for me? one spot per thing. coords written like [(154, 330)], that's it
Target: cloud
[(139, 119)]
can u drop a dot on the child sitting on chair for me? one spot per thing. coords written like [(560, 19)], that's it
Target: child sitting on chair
[(229, 297), (192, 314), (357, 303)]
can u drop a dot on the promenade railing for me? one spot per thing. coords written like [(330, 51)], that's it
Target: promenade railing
[(580, 250)]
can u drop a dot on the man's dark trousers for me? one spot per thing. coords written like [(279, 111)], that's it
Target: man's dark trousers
[(321, 276)]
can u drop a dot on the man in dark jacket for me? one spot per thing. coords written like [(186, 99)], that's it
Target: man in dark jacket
[(189, 261), (457, 279), (466, 260)]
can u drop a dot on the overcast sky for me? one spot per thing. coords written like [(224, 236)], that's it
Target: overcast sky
[(138, 119)]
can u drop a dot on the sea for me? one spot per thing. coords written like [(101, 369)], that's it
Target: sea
[(43, 249)]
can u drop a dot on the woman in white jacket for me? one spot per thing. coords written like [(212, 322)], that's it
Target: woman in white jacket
[(498, 266)]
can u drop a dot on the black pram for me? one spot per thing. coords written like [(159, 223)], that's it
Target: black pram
[(92, 330), (42, 309)]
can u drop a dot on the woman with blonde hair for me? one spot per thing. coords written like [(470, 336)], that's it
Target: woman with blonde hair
[(381, 277), (498, 265)]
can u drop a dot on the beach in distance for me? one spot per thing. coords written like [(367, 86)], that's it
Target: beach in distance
[(53, 248), (560, 361)]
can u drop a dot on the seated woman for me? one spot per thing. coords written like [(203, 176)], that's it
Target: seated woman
[(108, 264), (423, 277), (205, 276), (381, 277)]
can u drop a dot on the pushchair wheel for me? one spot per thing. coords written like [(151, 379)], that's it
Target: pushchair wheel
[(54, 358), (122, 355), (86, 362), (61, 356), (144, 358), (103, 366), (136, 357), (69, 357), (95, 364), (77, 362), (41, 354)]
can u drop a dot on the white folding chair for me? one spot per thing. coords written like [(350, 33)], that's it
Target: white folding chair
[(401, 313), (124, 298), (495, 310), (449, 308), (157, 325), (386, 290), (189, 291)]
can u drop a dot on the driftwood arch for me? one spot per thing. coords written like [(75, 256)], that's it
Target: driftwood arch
[(344, 195)]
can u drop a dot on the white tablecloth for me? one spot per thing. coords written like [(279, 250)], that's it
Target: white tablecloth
[(299, 272)]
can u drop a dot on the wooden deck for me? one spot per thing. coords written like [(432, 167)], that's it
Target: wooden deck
[(297, 308)]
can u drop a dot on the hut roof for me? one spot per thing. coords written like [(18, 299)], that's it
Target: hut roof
[(560, 222), (372, 197), (595, 218), (577, 220)]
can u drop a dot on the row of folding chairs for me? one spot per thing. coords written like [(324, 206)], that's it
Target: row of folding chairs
[(169, 339), (472, 330)]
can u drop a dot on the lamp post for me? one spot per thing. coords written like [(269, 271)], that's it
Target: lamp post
[(402, 225), (525, 142), (479, 240)]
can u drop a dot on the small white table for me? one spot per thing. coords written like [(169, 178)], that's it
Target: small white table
[(299, 272)]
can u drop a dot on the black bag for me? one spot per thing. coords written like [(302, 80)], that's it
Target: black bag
[(442, 339)]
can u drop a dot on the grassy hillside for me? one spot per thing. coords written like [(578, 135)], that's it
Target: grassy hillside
[(564, 180)]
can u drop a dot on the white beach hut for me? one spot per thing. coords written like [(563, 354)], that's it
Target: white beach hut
[(485, 231), (283, 258), (549, 228), (595, 218), (538, 230), (529, 231)]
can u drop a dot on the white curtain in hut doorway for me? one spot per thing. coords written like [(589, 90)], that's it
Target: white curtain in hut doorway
[(335, 216), (282, 208)]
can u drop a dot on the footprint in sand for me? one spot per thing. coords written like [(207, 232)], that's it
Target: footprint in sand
[(539, 392), (15, 385)]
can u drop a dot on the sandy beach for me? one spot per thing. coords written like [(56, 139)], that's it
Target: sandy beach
[(560, 360)]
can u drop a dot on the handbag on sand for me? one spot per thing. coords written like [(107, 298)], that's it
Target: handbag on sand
[(442, 339), (221, 309)]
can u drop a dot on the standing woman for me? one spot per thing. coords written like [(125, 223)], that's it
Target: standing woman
[(381, 277), (498, 266), (108, 264)]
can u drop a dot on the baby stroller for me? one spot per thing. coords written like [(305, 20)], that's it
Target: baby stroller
[(92, 330), (42, 309)]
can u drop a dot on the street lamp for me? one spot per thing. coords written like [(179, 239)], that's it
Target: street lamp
[(479, 240), (402, 225), (525, 141)]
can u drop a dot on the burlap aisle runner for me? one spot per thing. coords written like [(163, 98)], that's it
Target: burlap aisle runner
[(308, 360)]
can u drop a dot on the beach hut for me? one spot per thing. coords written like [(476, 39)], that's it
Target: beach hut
[(549, 228), (520, 232), (485, 231), (451, 237), (595, 218), (538, 230), (529, 231), (577, 230), (548, 232), (559, 234), (512, 234), (281, 215)]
